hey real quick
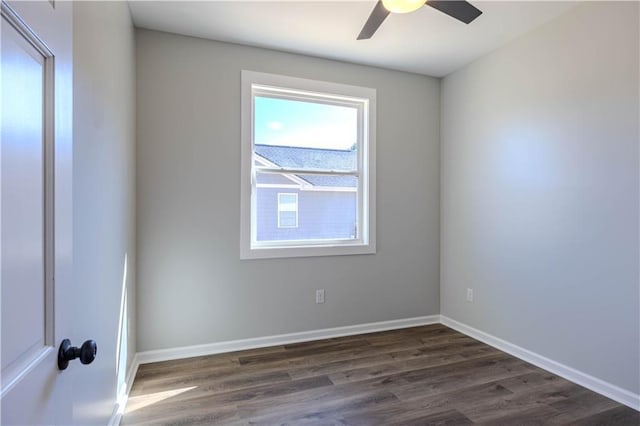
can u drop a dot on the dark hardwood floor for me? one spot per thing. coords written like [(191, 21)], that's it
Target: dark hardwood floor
[(429, 375)]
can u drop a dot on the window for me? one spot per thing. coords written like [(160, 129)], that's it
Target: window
[(287, 210), (308, 168)]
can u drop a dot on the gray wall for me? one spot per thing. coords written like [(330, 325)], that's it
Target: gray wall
[(103, 197), (540, 192), (193, 288)]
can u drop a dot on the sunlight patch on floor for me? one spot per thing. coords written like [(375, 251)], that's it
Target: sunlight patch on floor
[(141, 401)]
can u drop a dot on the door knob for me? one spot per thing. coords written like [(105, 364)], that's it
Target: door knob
[(66, 353)]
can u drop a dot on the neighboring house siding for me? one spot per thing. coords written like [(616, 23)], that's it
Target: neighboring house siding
[(334, 210)]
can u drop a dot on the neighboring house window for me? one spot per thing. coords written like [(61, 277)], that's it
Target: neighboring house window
[(287, 210), (308, 159)]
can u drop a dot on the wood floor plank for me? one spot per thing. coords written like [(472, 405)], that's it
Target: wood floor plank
[(419, 375), (445, 418), (152, 368), (537, 415), (340, 365), (537, 377), (394, 369), (423, 406), (580, 402), (332, 412), (301, 352), (203, 416), (199, 399), (318, 398), (616, 416), (534, 399), (459, 376), (227, 377)]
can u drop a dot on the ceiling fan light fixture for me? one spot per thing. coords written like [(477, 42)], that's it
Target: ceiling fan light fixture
[(402, 6)]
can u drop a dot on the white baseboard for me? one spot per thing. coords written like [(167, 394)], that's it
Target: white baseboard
[(281, 339), (609, 390), (121, 402)]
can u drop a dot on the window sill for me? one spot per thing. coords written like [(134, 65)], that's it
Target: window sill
[(247, 253)]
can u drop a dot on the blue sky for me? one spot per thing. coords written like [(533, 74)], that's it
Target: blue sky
[(304, 124)]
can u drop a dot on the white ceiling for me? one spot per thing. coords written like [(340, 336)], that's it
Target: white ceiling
[(426, 41)]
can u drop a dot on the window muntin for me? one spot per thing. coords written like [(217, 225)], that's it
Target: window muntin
[(313, 140)]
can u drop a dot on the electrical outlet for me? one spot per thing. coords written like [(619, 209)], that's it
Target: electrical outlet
[(320, 295), (469, 295)]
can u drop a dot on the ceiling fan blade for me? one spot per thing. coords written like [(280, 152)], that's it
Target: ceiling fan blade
[(378, 15), (459, 9)]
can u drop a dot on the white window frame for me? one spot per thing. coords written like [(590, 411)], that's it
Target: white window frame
[(280, 209), (364, 99)]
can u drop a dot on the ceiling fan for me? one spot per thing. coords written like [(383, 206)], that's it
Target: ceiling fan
[(459, 9)]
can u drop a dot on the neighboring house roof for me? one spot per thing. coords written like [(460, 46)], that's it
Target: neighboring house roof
[(313, 158)]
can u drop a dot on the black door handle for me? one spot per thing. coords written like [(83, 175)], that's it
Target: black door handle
[(66, 352)]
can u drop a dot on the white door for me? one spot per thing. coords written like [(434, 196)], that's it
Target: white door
[(35, 231)]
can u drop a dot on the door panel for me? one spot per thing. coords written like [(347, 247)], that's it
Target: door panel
[(23, 233)]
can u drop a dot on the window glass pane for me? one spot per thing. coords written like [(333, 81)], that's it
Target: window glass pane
[(306, 135), (288, 201), (288, 219), (323, 212)]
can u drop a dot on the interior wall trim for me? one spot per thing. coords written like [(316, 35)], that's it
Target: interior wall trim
[(121, 400), (590, 382), (281, 339)]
